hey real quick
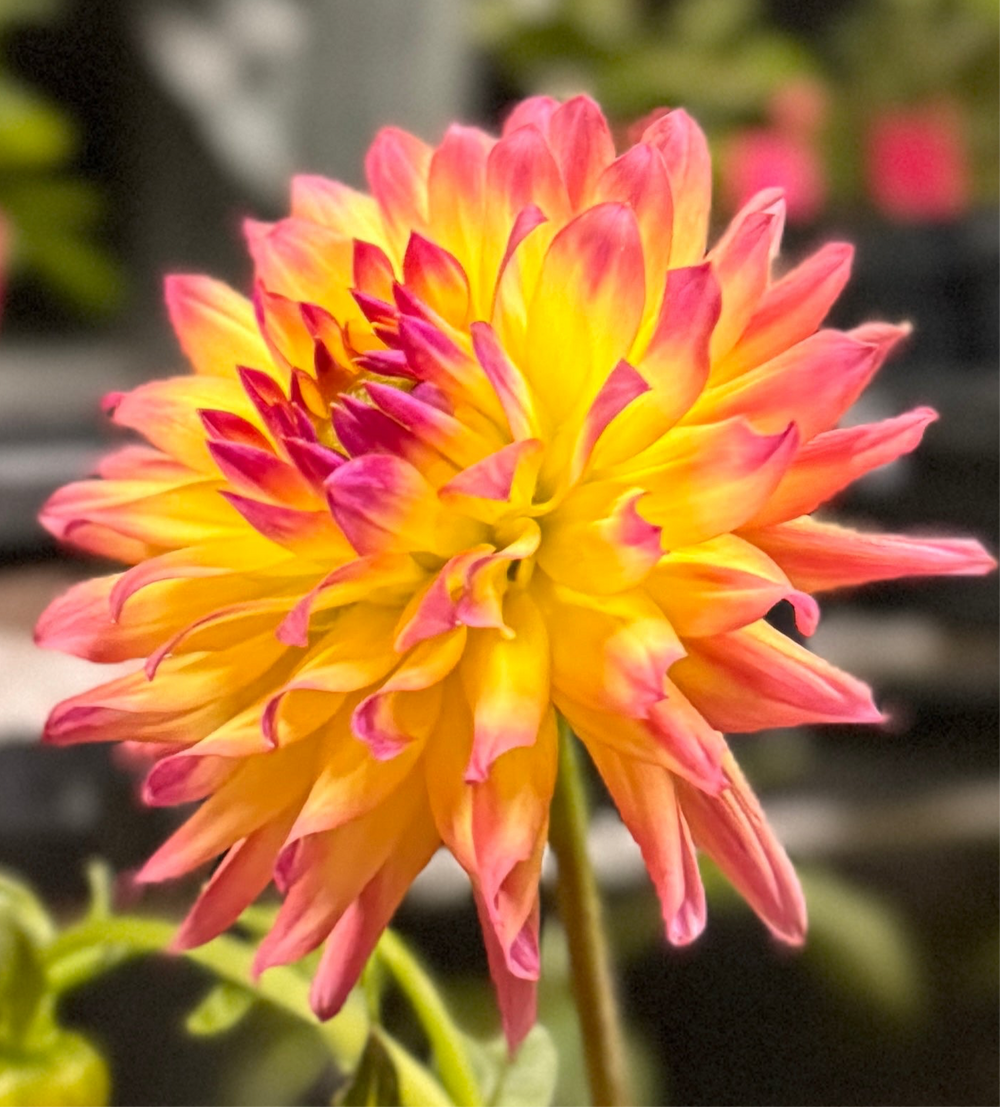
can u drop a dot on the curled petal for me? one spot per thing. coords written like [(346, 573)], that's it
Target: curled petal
[(607, 552), (506, 680), (610, 653), (733, 831), (706, 481), (721, 585), (405, 707), (646, 797)]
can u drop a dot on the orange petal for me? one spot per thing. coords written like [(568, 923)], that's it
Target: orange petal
[(646, 799), (756, 677), (356, 934), (682, 146), (733, 831), (812, 384), (215, 325), (834, 459), (707, 481), (790, 310), (506, 680), (721, 585), (819, 556)]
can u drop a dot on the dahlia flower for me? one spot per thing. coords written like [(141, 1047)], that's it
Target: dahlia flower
[(494, 441)]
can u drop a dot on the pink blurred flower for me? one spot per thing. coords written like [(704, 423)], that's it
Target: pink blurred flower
[(917, 164), (785, 154)]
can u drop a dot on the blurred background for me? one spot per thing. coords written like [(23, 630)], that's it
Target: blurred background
[(135, 135)]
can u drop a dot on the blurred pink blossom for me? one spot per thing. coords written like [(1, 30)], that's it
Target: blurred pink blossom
[(917, 162), (785, 153)]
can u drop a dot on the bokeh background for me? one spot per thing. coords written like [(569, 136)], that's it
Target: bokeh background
[(135, 135)]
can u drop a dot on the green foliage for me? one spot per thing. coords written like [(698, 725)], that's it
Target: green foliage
[(223, 1008), (54, 217), (717, 56), (42, 1063)]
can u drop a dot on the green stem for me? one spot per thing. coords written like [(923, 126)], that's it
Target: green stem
[(580, 910)]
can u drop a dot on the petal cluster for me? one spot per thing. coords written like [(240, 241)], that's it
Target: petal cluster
[(496, 439)]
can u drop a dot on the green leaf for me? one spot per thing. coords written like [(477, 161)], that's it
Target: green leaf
[(33, 133), (19, 902), (67, 1072), (860, 943), (448, 1043), (22, 983), (374, 1079), (529, 1079), (223, 1007), (417, 1087), (92, 945)]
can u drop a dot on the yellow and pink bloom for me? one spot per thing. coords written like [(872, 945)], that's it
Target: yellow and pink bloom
[(495, 440)]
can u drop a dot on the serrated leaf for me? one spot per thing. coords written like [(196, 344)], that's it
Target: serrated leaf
[(223, 1007)]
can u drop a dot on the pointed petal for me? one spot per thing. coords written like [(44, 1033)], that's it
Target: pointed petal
[(707, 481), (581, 142), (517, 996), (756, 677), (819, 556), (790, 310), (732, 829), (812, 384), (639, 178), (834, 459), (243, 874), (741, 261), (353, 939), (438, 278), (214, 325), (647, 802), (397, 164), (610, 653)]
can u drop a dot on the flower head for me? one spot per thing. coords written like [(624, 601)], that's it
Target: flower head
[(496, 440)]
